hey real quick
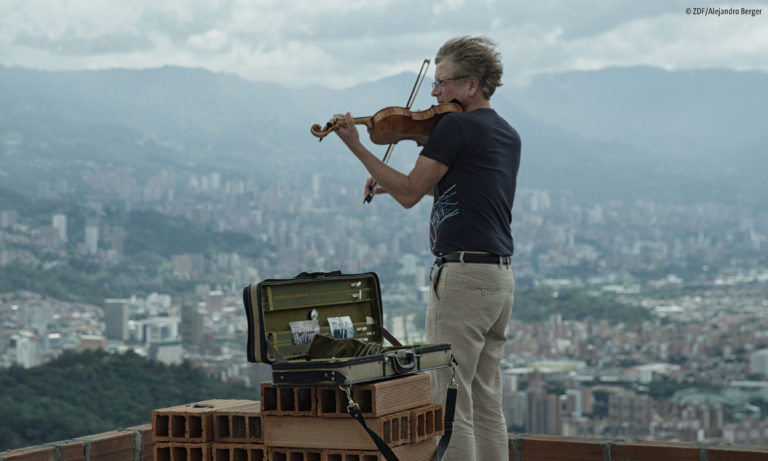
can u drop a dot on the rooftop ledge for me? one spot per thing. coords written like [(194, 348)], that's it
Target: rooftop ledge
[(135, 444)]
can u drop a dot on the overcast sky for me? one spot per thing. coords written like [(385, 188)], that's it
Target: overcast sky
[(343, 43)]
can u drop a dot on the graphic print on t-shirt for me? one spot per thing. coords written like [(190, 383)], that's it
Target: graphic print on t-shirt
[(443, 208)]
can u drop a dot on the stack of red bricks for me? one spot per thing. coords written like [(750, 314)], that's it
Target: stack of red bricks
[(303, 424)]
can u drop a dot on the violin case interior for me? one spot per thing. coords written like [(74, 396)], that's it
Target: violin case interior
[(283, 314)]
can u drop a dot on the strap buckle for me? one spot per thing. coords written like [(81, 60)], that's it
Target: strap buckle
[(351, 404)]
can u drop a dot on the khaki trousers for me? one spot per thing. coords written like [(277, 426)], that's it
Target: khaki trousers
[(469, 307)]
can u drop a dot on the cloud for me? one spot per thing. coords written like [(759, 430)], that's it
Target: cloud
[(213, 40), (341, 43)]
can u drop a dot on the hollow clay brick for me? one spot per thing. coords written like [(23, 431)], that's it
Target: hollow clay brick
[(192, 422), (240, 424), (376, 399)]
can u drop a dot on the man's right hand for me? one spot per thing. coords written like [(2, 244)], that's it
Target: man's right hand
[(369, 184)]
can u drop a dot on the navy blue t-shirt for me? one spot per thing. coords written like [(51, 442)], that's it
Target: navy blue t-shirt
[(472, 209)]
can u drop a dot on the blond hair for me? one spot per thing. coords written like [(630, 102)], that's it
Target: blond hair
[(476, 57)]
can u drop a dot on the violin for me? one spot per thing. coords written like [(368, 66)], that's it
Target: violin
[(393, 124)]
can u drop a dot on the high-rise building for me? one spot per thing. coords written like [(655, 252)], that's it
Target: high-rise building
[(758, 362), (630, 408), (544, 413), (92, 236), (116, 319), (60, 224), (192, 332)]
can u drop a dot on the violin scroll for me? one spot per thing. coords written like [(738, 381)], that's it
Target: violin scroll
[(321, 132)]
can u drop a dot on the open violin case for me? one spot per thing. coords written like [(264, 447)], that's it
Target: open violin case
[(284, 315)]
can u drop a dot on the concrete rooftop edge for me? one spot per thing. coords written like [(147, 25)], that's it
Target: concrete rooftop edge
[(136, 444)]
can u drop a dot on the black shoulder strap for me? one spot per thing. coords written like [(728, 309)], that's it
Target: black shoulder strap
[(390, 337), (380, 443), (450, 407)]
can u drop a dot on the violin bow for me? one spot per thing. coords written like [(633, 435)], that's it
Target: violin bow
[(391, 147)]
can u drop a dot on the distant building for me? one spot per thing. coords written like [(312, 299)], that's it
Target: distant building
[(26, 348), (758, 362), (543, 413), (157, 329), (116, 317), (168, 352), (515, 409), (192, 322), (8, 218), (214, 301), (632, 410), (59, 223), (92, 343), (92, 236)]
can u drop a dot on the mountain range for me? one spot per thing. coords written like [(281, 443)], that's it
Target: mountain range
[(629, 133)]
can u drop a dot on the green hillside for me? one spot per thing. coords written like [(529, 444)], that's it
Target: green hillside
[(92, 392), (536, 304)]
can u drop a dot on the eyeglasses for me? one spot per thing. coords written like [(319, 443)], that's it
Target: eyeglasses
[(438, 84)]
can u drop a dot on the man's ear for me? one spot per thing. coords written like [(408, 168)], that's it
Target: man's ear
[(474, 85)]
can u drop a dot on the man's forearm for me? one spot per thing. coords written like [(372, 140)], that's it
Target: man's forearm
[(397, 184)]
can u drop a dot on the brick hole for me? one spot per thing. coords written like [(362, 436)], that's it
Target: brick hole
[(387, 431), (396, 430), (178, 453), (222, 426), (256, 454), (239, 454), (405, 428), (195, 427), (238, 426), (196, 454), (370, 457), (420, 425), (439, 420), (351, 457), (277, 456), (364, 398), (269, 399), (161, 426), (334, 457), (254, 427), (287, 399), (295, 456), (163, 454), (328, 401), (178, 426), (304, 398), (430, 422), (314, 456), (220, 454)]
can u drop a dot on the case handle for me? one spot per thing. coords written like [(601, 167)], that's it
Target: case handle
[(401, 367), (314, 275)]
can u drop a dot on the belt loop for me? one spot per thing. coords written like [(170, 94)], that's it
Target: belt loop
[(461, 258)]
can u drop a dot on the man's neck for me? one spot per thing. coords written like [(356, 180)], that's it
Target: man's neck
[(481, 103)]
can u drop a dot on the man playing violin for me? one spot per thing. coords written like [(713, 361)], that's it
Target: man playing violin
[(469, 164)]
